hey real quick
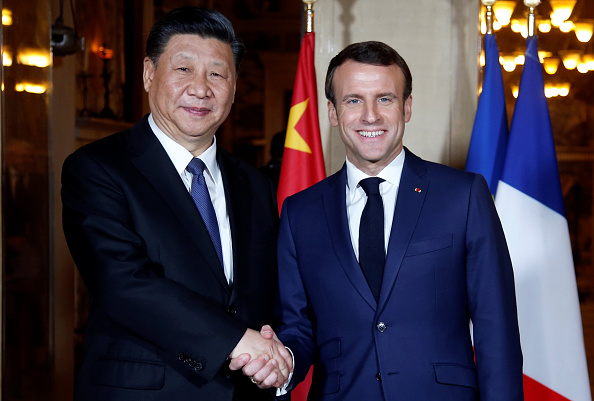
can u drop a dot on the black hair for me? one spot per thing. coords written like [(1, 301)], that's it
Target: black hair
[(204, 22)]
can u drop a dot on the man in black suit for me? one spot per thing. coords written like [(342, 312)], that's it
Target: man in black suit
[(174, 297)]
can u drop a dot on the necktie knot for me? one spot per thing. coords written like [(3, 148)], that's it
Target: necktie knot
[(371, 185), (196, 166)]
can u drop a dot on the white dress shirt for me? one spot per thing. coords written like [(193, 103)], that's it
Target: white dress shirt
[(356, 197), (180, 158)]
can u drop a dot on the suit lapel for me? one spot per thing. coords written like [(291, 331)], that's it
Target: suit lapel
[(411, 195), (336, 214), (153, 162)]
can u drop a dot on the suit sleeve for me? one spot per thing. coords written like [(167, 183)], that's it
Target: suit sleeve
[(132, 289), (293, 308), (492, 301)]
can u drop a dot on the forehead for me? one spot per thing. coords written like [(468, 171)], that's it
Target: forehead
[(193, 46), (353, 75)]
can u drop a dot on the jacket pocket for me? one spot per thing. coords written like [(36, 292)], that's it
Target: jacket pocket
[(329, 383), (130, 374), (455, 374), (430, 245)]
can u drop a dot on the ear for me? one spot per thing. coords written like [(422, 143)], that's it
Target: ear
[(408, 109), (332, 115), (148, 73)]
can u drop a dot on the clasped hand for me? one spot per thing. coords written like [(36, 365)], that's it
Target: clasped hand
[(262, 357)]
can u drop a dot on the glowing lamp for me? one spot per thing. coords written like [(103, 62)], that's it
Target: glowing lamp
[(584, 30), (34, 57), (509, 63), (564, 89), (519, 59), (6, 17), (566, 26), (589, 60), (551, 64), (6, 59), (105, 53), (570, 59), (562, 8), (503, 11), (544, 26)]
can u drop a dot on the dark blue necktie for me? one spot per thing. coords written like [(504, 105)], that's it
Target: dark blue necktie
[(372, 253), (201, 197)]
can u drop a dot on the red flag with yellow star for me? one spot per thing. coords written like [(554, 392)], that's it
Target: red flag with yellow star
[(303, 160)]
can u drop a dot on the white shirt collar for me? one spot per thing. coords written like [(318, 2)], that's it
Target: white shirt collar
[(391, 173), (180, 156)]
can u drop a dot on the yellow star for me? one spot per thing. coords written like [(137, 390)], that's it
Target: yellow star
[(294, 139)]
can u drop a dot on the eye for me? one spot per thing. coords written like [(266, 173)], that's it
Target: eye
[(353, 101), (385, 99), (183, 69)]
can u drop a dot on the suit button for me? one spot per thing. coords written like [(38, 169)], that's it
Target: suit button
[(381, 326), (197, 366), (378, 377), (231, 311), (182, 356)]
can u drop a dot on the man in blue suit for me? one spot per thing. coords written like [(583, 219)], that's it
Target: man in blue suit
[(400, 331)]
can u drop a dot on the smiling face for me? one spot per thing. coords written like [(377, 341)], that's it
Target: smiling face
[(191, 90), (370, 113)]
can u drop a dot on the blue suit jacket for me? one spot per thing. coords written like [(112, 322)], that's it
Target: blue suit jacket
[(447, 263)]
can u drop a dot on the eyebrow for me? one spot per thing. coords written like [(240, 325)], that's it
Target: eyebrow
[(379, 95)]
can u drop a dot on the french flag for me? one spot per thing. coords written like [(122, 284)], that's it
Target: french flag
[(530, 204)]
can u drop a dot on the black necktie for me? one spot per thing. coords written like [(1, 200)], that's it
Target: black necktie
[(201, 197), (372, 254)]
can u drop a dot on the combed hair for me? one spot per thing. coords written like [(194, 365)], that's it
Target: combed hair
[(204, 22)]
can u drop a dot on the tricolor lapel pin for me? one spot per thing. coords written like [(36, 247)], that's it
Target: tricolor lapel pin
[(418, 190)]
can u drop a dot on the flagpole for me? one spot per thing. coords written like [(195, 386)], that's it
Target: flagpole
[(489, 5), (531, 4), (310, 15)]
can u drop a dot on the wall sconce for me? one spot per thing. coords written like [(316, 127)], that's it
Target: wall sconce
[(544, 26), (564, 89), (551, 64), (34, 57), (6, 58), (503, 11), (6, 17), (30, 87), (566, 26), (584, 30), (582, 67), (515, 90), (561, 10), (106, 54), (508, 62), (519, 59), (518, 25), (588, 59), (570, 58)]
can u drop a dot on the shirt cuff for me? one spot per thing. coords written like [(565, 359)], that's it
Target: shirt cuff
[(283, 390)]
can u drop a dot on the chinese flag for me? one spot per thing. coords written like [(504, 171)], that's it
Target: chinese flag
[(303, 161)]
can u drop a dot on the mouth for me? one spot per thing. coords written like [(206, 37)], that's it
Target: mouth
[(199, 111), (371, 134)]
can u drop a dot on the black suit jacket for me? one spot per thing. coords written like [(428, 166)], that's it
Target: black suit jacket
[(163, 319)]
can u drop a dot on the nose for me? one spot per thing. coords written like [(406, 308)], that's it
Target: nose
[(371, 113), (199, 87)]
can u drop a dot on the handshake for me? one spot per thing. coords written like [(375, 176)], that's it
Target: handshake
[(263, 358)]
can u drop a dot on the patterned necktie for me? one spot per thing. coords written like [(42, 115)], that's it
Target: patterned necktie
[(201, 197), (372, 254)]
